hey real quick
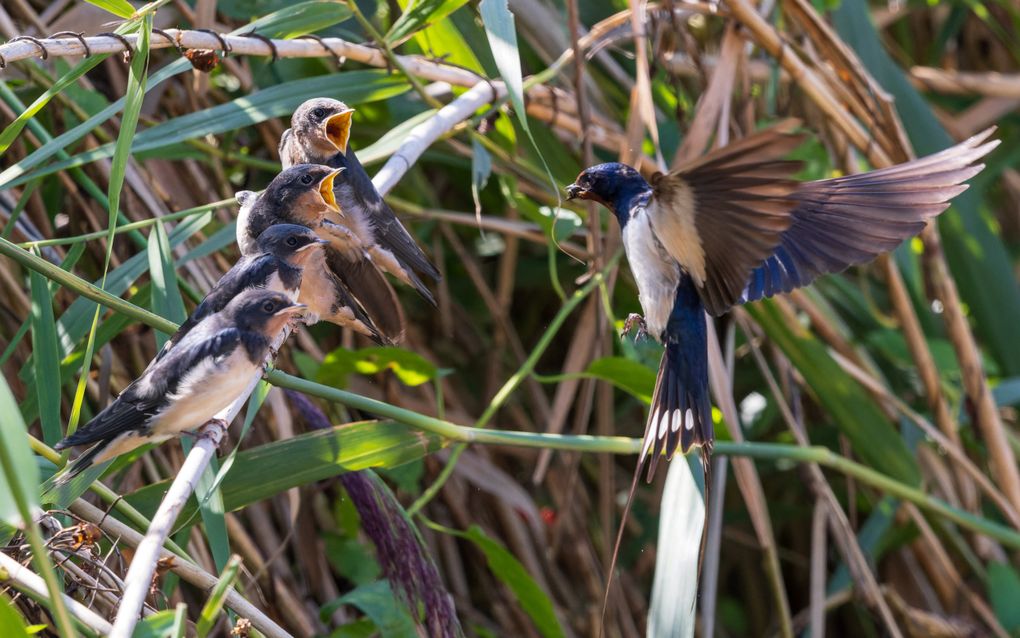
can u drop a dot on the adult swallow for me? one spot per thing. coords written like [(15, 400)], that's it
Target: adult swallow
[(341, 285), (319, 134), (734, 226), (203, 374)]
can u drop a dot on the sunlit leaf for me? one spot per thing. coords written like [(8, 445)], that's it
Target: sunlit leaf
[(411, 368), (420, 13), (22, 470)]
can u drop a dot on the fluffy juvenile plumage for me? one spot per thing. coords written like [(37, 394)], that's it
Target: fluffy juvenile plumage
[(282, 251), (734, 226), (319, 134), (342, 284), (200, 376)]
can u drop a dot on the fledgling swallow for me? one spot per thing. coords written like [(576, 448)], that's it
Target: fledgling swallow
[(282, 252), (342, 285), (196, 379), (734, 226), (319, 134)]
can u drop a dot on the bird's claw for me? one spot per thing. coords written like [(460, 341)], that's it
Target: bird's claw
[(310, 318), (634, 319), (336, 229)]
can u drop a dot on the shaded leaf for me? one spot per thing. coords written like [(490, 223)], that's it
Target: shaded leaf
[(376, 600), (46, 358)]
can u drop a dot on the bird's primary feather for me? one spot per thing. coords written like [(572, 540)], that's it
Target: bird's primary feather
[(849, 220)]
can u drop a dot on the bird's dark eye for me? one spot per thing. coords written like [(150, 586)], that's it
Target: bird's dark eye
[(268, 307), (292, 241), (307, 179), (319, 112)]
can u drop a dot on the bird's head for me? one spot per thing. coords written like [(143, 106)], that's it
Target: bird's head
[(325, 123), (303, 186), (613, 185), (262, 311), (292, 243)]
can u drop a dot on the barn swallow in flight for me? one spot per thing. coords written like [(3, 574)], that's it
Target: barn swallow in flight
[(342, 285), (196, 379), (734, 226), (319, 134)]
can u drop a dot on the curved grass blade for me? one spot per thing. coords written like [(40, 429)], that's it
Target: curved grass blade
[(45, 358), (420, 13), (166, 296)]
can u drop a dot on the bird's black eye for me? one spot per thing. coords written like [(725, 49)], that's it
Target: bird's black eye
[(268, 307), (319, 112), (307, 179), (292, 241)]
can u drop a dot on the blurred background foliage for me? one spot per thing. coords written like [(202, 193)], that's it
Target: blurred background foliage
[(872, 365)]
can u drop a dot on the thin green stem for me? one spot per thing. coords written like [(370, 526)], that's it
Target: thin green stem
[(536, 353), (444, 475), (577, 443), (100, 234), (35, 541)]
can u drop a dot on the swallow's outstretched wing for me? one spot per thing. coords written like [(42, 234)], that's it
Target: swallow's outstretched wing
[(849, 220), (721, 216)]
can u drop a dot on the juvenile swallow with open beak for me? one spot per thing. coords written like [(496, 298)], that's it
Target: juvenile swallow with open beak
[(341, 284), (319, 134), (734, 226), (196, 379)]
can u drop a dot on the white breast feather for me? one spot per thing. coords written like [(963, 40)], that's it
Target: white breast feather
[(204, 391), (655, 272)]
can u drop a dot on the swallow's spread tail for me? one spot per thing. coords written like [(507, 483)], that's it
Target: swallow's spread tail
[(681, 414)]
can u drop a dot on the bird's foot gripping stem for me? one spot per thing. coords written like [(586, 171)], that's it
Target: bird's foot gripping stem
[(634, 319)]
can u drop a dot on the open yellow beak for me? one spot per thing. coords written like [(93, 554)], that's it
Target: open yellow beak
[(326, 190), (338, 129)]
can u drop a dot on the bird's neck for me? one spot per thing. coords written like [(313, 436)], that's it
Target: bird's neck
[(627, 199)]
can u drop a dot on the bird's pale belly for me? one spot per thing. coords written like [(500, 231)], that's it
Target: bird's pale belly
[(204, 392), (656, 274)]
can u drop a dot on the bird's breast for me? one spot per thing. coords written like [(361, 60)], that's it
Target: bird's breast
[(205, 390), (655, 272)]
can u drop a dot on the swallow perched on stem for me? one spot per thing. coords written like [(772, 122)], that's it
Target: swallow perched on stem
[(734, 226), (319, 134), (201, 375), (282, 252), (340, 284)]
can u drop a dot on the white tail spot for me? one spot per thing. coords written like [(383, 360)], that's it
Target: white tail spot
[(689, 417)]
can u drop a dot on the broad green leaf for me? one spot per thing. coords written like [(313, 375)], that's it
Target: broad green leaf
[(214, 605), (120, 8), (159, 625), (46, 358), (499, 27), (420, 13), (873, 437), (261, 472), (626, 374), (166, 296), (280, 100), (377, 601), (979, 261), (678, 552), (1003, 588), (411, 368), (22, 475), (442, 37), (283, 18), (511, 573), (12, 625)]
